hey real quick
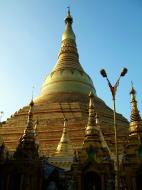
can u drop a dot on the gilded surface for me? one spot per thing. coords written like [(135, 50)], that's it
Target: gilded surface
[(64, 93)]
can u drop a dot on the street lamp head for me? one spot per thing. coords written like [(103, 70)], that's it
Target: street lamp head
[(103, 73), (123, 72)]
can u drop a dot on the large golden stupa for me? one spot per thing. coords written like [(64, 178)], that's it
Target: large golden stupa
[(64, 94)]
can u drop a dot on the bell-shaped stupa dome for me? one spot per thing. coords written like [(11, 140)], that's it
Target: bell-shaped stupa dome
[(67, 81)]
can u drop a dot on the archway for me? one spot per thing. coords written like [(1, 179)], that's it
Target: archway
[(139, 178), (91, 181), (139, 181), (14, 183)]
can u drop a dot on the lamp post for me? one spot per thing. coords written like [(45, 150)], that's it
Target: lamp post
[(113, 89)]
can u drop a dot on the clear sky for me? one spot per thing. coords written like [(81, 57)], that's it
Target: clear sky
[(108, 33)]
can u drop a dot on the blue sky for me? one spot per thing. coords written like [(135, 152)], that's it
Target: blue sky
[(108, 33)]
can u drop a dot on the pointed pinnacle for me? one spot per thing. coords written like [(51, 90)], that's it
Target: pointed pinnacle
[(132, 89)]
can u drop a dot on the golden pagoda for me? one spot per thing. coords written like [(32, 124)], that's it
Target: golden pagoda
[(67, 77), (94, 168), (27, 148), (63, 157), (64, 93), (132, 160)]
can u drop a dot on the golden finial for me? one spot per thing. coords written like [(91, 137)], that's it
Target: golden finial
[(33, 91), (29, 131), (68, 11), (28, 144), (30, 116), (132, 89), (135, 116), (65, 122), (68, 18), (31, 104)]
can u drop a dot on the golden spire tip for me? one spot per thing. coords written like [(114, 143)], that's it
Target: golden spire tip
[(68, 18), (31, 103), (132, 83), (65, 122), (69, 14), (91, 94), (132, 89)]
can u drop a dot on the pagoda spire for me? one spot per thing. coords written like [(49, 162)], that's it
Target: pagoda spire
[(135, 118), (68, 57), (68, 18), (68, 78), (68, 34), (91, 126), (93, 143), (64, 147), (92, 136), (132, 157), (29, 132), (63, 157), (28, 148)]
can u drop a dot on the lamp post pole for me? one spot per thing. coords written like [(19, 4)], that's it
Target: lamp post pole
[(113, 90)]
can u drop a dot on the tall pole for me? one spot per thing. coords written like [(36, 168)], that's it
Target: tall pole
[(113, 90), (117, 183)]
